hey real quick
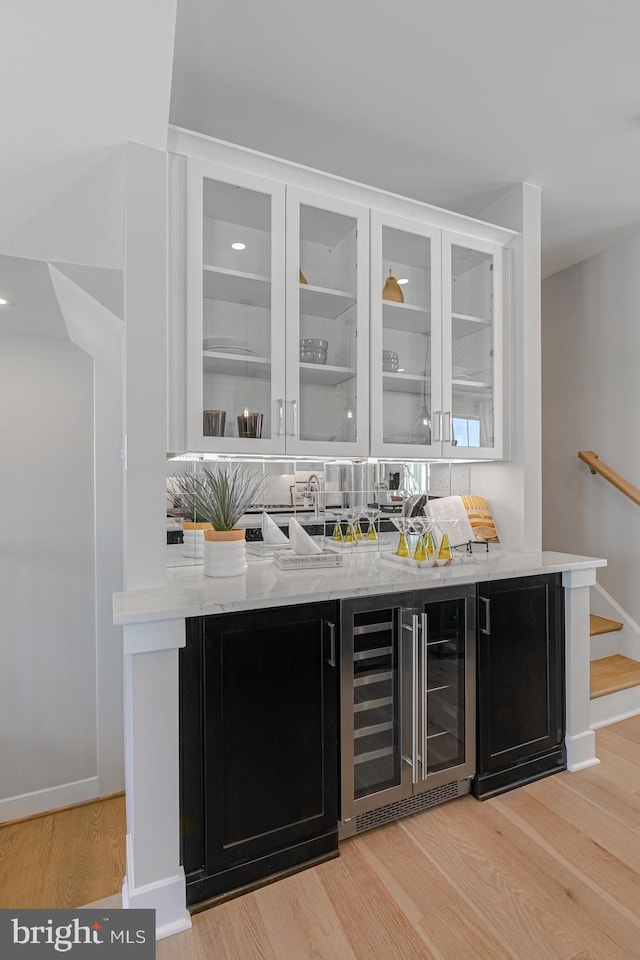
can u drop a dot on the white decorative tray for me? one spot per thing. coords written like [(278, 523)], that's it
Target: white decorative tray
[(381, 543), (288, 560), (421, 564)]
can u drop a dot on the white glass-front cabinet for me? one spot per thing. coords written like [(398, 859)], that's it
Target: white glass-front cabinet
[(436, 342), (235, 311), (327, 296), (471, 422), (275, 358)]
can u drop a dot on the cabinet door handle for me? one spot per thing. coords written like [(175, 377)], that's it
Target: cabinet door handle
[(280, 416), (424, 624), (487, 616), (294, 418), (414, 699), (437, 425), (447, 430), (332, 641)]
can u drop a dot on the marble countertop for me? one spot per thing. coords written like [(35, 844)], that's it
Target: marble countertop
[(188, 593)]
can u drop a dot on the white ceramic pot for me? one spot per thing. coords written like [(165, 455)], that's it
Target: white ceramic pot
[(225, 553), (193, 539)]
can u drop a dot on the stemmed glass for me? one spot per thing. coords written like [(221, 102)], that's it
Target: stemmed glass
[(424, 549), (371, 514), (446, 528), (403, 525)]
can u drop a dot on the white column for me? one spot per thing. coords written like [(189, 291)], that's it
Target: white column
[(154, 878), (580, 738)]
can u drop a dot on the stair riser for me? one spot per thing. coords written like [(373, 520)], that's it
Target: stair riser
[(614, 707)]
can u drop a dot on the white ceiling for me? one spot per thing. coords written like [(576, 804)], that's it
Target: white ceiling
[(448, 101)]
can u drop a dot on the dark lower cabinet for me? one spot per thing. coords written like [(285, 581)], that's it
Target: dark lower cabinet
[(258, 746), (520, 688)]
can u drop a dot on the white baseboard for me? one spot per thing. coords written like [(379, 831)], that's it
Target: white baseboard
[(52, 798), (167, 897), (581, 751), (614, 707)]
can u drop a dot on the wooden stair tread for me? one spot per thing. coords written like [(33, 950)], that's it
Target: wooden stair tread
[(599, 625), (610, 674)]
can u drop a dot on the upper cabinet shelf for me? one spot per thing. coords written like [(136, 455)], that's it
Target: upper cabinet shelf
[(405, 316), (324, 302), (233, 286), (463, 325)]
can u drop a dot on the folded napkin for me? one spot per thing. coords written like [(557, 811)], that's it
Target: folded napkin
[(271, 532), (300, 542)]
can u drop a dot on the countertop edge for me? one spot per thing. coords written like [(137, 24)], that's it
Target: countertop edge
[(176, 600)]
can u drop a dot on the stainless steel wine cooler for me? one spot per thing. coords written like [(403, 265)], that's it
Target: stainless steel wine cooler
[(407, 703)]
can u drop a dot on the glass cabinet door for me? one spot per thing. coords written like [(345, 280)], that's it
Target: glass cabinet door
[(327, 326), (235, 312), (373, 771), (405, 354), (446, 679), (471, 420)]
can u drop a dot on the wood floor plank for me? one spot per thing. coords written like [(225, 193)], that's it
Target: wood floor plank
[(414, 883), (457, 931), (614, 881), (375, 926), (63, 859), (300, 920), (495, 880), (616, 835)]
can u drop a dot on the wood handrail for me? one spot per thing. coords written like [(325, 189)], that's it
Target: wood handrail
[(596, 465)]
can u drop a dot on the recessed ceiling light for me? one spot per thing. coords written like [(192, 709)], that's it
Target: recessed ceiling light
[(404, 280), (3, 302), (238, 246), (400, 370)]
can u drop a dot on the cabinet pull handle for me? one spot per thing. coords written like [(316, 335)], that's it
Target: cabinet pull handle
[(280, 416), (487, 616), (294, 418), (447, 431), (332, 641), (423, 697), (414, 699), (437, 425)]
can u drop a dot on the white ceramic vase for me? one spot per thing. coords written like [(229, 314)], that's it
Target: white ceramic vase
[(225, 553), (193, 539)]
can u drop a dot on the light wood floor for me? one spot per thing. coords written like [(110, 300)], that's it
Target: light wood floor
[(550, 871), (63, 859)]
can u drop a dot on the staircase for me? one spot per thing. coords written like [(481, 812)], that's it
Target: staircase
[(610, 676)]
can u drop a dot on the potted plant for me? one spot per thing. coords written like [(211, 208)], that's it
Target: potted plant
[(219, 497)]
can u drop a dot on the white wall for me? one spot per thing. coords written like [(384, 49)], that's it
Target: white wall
[(590, 401), (47, 596)]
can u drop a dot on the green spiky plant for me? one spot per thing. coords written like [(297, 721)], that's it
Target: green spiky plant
[(220, 496)]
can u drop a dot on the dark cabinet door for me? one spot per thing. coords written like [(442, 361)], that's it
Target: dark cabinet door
[(521, 710), (259, 745)]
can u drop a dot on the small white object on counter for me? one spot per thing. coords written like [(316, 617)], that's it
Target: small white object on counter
[(300, 541), (271, 532)]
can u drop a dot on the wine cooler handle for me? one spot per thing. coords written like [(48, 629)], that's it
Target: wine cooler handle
[(414, 699), (487, 616), (332, 641), (424, 624)]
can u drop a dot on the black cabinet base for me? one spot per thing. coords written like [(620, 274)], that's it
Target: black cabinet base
[(206, 892), (487, 785)]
